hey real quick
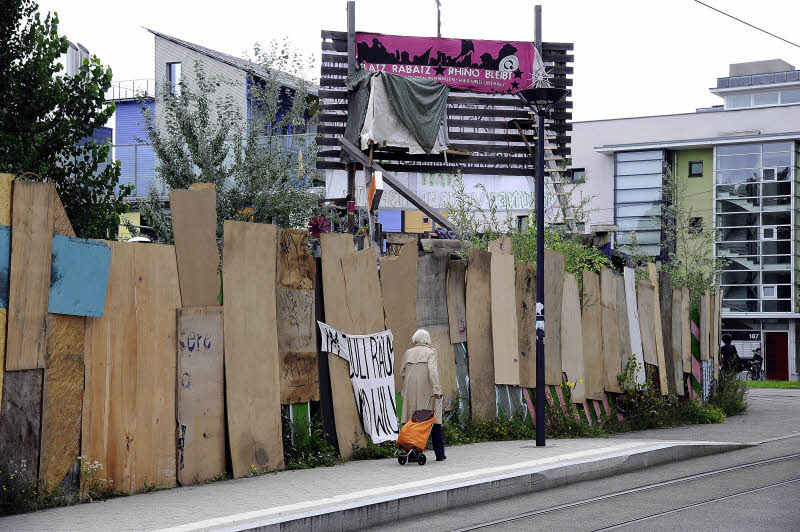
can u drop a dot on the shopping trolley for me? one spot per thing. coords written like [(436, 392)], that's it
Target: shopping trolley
[(414, 435)]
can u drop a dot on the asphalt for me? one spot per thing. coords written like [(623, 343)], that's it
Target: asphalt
[(369, 493)]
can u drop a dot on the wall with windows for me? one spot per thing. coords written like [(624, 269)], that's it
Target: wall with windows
[(137, 159), (699, 193), (754, 216), (762, 98), (638, 180)]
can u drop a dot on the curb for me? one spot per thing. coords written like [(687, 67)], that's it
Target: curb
[(390, 508)]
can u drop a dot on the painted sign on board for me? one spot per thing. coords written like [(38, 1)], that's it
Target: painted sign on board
[(371, 359), (467, 64)]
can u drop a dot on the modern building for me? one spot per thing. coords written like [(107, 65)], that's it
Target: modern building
[(740, 160)]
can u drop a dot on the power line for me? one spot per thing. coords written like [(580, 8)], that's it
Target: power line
[(747, 23)]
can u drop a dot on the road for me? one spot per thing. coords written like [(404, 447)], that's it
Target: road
[(756, 488)]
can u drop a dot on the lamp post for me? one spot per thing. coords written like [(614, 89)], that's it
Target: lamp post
[(540, 99)]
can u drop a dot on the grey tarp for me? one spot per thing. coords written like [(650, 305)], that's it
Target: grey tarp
[(419, 104)]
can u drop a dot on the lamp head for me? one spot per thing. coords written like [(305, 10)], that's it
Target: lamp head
[(542, 97)]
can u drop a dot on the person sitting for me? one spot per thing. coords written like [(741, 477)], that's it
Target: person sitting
[(729, 358)]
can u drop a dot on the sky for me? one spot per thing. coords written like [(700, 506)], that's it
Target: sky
[(632, 57)]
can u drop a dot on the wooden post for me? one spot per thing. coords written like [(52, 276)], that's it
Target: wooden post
[(351, 67)]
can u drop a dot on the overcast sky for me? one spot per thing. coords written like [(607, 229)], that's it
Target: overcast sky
[(632, 57)]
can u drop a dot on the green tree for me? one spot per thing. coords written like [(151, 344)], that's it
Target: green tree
[(45, 115), (253, 161)]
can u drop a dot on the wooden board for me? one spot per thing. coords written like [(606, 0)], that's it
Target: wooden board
[(29, 286), (456, 300), (203, 186), (297, 338), (78, 276), (62, 401), (252, 364), (20, 422), (61, 223), (686, 330), (572, 359), (553, 287), (659, 333), (716, 333), (440, 341), (665, 300), (634, 327), (646, 300), (613, 353), (349, 431), (158, 298), (502, 245), (363, 291), (201, 395), (505, 341), (399, 291), (5, 265), (705, 325), (432, 289), (677, 354), (194, 224), (479, 335), (526, 322), (624, 323), (592, 311), (108, 429)]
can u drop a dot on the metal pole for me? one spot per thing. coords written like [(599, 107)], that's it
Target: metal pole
[(351, 67), (539, 206), (438, 18)]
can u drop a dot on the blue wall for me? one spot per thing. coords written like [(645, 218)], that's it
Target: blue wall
[(130, 127), (391, 221)]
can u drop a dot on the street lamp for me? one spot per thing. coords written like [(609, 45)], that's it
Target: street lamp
[(540, 99)]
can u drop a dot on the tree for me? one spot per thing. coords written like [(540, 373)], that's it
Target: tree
[(262, 165), (45, 117)]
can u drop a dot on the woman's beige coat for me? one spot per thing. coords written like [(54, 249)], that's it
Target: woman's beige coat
[(420, 372)]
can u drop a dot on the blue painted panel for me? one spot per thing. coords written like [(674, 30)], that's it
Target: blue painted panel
[(391, 221), (78, 277), (130, 122), (5, 263)]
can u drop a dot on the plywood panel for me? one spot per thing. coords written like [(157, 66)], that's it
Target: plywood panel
[(505, 342), (158, 298), (252, 365), (595, 376), (399, 291), (30, 275), (665, 299), (502, 245), (5, 198), (526, 320), (201, 399), (61, 223), (624, 323), (659, 333), (572, 360), (79, 275), (705, 325), (686, 330), (553, 288), (677, 355), (634, 327), (62, 401), (194, 224), (297, 340), (20, 423), (456, 300), (479, 335), (349, 431), (440, 341), (108, 429), (715, 330), (432, 289), (5, 265), (646, 317), (363, 291), (613, 353)]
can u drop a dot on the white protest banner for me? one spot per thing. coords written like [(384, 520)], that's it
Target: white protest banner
[(371, 358)]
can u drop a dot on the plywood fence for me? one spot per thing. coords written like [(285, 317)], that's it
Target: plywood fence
[(149, 376)]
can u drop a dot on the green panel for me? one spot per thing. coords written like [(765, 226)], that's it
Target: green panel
[(698, 194)]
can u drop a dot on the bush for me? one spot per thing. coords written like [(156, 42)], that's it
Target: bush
[(304, 445), (373, 451), (19, 493), (729, 394)]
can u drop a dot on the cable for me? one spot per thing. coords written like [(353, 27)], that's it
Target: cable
[(747, 23)]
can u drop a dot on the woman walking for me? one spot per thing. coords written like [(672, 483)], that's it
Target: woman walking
[(420, 373)]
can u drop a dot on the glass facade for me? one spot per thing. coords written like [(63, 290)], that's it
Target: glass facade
[(762, 99), (638, 179), (755, 188)]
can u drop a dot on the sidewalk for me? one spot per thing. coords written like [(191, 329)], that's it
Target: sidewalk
[(359, 494)]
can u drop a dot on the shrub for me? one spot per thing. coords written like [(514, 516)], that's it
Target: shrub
[(304, 445), (729, 394), (19, 493)]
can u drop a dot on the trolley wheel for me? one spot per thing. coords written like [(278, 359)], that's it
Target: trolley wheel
[(421, 459), (402, 460)]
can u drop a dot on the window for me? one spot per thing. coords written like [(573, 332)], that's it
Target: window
[(522, 223), (769, 291), (769, 233), (768, 174), (737, 101), (695, 226), (695, 168), (765, 98), (174, 78), (426, 220), (577, 175), (790, 96)]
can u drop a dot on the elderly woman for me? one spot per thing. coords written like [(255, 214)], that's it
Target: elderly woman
[(420, 373)]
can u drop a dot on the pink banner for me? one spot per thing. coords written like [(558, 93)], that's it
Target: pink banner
[(467, 64)]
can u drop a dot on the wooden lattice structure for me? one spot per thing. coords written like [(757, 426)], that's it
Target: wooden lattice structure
[(481, 125)]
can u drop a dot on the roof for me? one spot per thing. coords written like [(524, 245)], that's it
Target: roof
[(243, 64)]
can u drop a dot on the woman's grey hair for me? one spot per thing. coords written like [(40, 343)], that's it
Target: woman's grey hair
[(421, 337)]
